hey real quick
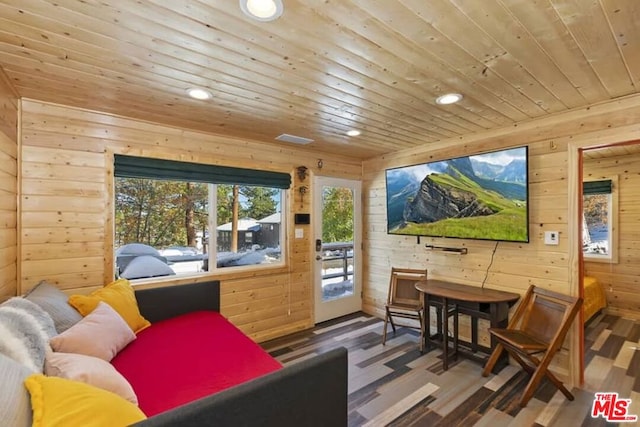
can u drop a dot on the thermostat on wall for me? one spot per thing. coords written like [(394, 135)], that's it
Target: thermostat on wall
[(551, 237)]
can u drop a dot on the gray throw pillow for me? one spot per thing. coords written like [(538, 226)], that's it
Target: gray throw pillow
[(55, 302), (25, 330), (15, 404)]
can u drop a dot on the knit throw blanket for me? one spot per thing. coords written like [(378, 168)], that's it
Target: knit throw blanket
[(25, 330)]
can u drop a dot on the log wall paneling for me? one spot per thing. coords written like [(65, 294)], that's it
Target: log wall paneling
[(8, 188), (64, 145), (66, 200), (515, 266), (620, 279)]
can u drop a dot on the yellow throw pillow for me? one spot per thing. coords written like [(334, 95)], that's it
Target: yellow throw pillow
[(62, 402), (120, 296)]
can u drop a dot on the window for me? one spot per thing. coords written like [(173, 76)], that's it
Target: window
[(182, 225), (598, 220)]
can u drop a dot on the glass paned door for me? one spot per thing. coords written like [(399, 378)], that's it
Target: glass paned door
[(337, 209)]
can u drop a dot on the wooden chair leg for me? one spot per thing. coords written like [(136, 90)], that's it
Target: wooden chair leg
[(531, 387), (527, 367), (384, 329), (547, 360), (559, 384), (493, 359), (393, 325), (535, 374), (541, 370)]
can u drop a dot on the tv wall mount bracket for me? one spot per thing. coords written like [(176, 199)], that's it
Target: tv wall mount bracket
[(461, 251)]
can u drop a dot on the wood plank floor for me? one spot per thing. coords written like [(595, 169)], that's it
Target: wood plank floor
[(396, 385)]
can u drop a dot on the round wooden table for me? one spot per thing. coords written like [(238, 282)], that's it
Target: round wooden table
[(475, 301)]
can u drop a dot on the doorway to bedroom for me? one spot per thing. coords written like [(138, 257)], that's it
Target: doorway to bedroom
[(610, 190)]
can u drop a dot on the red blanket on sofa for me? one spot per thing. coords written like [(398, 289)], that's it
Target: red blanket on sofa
[(179, 360)]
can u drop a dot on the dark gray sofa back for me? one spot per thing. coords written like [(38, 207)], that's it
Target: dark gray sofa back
[(163, 303)]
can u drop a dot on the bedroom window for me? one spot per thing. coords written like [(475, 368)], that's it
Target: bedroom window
[(174, 218), (599, 212)]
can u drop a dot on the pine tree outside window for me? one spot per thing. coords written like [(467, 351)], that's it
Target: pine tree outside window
[(182, 224)]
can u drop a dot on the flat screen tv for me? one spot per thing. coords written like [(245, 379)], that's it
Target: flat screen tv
[(483, 196)]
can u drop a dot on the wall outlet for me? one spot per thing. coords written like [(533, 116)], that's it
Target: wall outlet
[(551, 237)]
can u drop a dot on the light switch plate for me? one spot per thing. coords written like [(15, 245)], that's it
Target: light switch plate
[(551, 238)]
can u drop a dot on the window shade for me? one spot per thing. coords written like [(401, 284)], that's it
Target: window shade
[(144, 167), (596, 187)]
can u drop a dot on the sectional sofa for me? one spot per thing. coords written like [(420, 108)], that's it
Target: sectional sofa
[(185, 365)]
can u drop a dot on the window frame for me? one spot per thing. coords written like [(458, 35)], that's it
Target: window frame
[(612, 219), (213, 248), (220, 273)]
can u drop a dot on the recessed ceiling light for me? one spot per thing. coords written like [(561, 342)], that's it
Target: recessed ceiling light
[(198, 93), (449, 98), (353, 132), (262, 10)]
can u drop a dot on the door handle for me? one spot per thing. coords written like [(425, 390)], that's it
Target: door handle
[(318, 257)]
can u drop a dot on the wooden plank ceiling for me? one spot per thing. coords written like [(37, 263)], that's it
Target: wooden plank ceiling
[(628, 149), (325, 67)]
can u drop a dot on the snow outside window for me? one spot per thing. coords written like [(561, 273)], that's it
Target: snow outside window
[(165, 228), (599, 220)]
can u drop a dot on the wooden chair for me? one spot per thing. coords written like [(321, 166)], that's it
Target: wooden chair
[(534, 335), (404, 300)]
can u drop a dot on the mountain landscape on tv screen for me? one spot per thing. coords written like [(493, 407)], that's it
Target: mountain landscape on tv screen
[(477, 197)]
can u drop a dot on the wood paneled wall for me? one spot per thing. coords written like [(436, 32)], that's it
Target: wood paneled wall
[(66, 207), (513, 266), (8, 188), (500, 265), (65, 199), (621, 280)]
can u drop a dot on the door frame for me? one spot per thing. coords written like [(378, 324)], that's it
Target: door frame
[(574, 231), (339, 307)]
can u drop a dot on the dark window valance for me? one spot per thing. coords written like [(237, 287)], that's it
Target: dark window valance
[(596, 187), (144, 167)]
